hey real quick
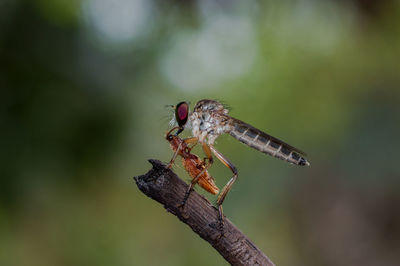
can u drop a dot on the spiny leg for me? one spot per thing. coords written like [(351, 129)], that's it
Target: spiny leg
[(207, 152), (226, 188), (171, 162), (193, 140), (189, 189), (194, 181), (176, 151)]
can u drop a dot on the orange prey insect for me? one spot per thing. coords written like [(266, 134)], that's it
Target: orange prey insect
[(192, 164)]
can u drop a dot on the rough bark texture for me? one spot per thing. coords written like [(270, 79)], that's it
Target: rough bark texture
[(164, 186)]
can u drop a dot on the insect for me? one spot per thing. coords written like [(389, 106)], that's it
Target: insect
[(192, 164), (210, 119)]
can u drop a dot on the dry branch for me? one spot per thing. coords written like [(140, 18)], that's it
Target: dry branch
[(164, 186)]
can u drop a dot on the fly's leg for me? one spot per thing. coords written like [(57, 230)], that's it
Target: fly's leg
[(186, 141), (226, 188), (208, 153), (193, 141)]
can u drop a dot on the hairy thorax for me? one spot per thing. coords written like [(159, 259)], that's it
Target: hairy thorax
[(208, 121)]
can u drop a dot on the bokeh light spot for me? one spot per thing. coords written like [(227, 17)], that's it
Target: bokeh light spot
[(223, 49), (118, 21)]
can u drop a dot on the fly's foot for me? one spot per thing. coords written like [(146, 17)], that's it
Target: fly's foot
[(185, 198), (182, 205), (221, 227), (220, 221), (216, 225)]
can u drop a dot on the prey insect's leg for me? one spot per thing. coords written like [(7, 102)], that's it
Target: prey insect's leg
[(174, 156), (177, 150), (189, 189), (181, 144), (187, 141), (207, 151), (228, 185)]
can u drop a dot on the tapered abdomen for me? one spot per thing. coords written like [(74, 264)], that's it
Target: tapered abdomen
[(265, 143)]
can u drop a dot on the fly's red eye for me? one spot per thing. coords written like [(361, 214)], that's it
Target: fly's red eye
[(181, 113)]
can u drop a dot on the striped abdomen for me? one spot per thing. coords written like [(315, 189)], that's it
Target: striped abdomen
[(265, 143)]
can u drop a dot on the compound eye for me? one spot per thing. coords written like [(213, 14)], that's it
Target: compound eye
[(181, 113)]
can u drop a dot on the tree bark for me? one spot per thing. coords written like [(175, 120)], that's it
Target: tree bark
[(164, 186)]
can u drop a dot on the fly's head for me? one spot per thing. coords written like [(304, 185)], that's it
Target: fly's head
[(181, 115)]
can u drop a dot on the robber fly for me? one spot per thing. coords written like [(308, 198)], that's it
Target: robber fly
[(192, 164), (210, 119)]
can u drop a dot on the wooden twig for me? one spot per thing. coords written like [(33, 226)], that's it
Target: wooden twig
[(164, 186)]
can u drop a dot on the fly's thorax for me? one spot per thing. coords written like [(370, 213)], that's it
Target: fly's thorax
[(195, 124), (207, 105), (208, 125), (223, 124)]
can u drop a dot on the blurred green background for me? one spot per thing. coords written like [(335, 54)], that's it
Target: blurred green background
[(83, 89)]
